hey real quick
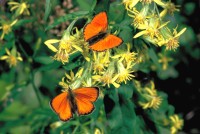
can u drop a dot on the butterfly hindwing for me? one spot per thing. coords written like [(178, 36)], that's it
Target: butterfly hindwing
[(108, 42), (84, 98), (61, 105), (98, 24)]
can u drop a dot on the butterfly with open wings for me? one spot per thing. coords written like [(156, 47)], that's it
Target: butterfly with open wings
[(95, 33), (78, 101)]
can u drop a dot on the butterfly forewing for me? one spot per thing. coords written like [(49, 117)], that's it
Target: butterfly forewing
[(98, 24), (84, 98), (108, 42), (61, 105)]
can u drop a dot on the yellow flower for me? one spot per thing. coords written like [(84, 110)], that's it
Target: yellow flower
[(61, 51), (169, 7), (7, 27), (124, 74), (151, 29), (56, 124), (12, 57), (176, 123), (68, 45), (108, 77), (132, 3), (164, 60), (159, 2), (97, 131), (64, 83), (171, 39), (154, 103), (72, 80), (20, 8), (101, 61), (150, 97), (126, 56), (139, 18), (87, 82)]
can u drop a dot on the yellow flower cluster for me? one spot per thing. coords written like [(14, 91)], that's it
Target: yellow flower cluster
[(7, 27), (104, 68), (164, 60), (149, 96), (21, 8), (69, 44), (149, 22), (176, 123), (12, 57), (72, 80), (114, 69)]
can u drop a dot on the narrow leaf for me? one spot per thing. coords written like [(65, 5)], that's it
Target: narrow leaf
[(47, 9), (70, 16)]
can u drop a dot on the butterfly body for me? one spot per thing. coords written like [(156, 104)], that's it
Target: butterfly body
[(97, 38), (96, 34), (72, 101), (78, 101)]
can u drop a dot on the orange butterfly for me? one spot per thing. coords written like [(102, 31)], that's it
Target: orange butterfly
[(79, 100), (96, 34)]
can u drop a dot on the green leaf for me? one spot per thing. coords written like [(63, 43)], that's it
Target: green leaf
[(22, 22), (47, 9), (169, 72), (20, 129), (10, 43), (102, 6), (124, 109), (94, 2), (189, 8), (44, 59), (11, 113), (154, 58), (70, 16), (50, 66), (84, 4), (118, 10), (71, 66), (126, 90)]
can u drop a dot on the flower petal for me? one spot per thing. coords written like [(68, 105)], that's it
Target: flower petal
[(181, 32), (13, 3), (140, 34), (50, 46), (15, 21), (4, 57)]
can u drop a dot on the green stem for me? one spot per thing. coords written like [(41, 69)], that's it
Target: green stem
[(32, 77), (22, 49), (157, 11), (87, 123), (36, 89), (75, 129)]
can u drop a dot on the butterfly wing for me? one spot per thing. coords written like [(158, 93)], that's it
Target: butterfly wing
[(108, 42), (84, 98), (61, 105), (98, 24)]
